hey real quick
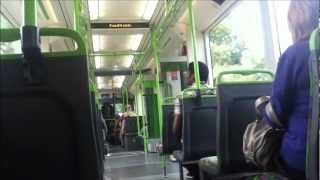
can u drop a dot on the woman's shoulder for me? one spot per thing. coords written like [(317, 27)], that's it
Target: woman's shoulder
[(298, 48), (296, 53)]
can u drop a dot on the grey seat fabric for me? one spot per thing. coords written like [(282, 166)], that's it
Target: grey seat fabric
[(47, 131), (199, 127), (235, 111), (170, 142)]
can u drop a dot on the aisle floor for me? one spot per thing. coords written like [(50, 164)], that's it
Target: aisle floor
[(138, 166)]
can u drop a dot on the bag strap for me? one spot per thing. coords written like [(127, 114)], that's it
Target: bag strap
[(260, 103), (272, 115)]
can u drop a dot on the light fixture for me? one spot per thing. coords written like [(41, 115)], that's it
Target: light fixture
[(100, 83), (94, 9), (135, 41), (118, 81), (52, 15), (98, 62), (149, 10), (128, 61), (96, 42)]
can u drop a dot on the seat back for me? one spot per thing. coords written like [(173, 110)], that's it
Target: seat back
[(170, 142), (312, 163), (235, 111), (98, 128), (199, 127), (47, 129), (130, 125)]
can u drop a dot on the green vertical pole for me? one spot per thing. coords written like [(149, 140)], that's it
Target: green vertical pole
[(127, 97), (30, 13), (192, 28), (77, 15), (123, 102), (154, 43), (155, 49)]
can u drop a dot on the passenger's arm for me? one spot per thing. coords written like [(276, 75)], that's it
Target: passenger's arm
[(177, 124), (282, 88)]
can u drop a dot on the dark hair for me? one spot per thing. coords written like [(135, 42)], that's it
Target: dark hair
[(203, 71)]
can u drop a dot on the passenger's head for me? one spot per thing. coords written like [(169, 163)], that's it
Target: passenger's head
[(203, 71), (302, 18)]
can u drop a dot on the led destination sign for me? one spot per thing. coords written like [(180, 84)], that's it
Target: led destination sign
[(99, 25)]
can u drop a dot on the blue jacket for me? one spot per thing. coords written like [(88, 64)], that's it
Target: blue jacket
[(290, 100)]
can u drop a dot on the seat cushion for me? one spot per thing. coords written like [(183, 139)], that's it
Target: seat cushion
[(210, 165)]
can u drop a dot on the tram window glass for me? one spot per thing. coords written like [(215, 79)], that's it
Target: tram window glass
[(12, 47), (279, 24), (57, 44), (237, 42), (118, 108)]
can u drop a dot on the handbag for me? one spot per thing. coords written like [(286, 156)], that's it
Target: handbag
[(261, 142)]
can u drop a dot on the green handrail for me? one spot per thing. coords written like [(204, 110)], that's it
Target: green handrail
[(192, 28), (13, 34), (68, 33), (77, 15), (244, 73), (155, 50), (10, 35)]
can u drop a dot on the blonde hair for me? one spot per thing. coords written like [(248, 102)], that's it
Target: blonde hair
[(303, 18)]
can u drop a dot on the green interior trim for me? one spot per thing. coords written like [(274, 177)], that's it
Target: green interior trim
[(315, 40), (244, 73), (10, 35)]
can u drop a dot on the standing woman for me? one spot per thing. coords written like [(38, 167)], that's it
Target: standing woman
[(290, 94)]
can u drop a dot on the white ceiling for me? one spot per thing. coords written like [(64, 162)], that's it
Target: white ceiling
[(118, 40)]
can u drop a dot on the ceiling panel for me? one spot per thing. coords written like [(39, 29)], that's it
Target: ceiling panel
[(113, 62), (110, 82), (116, 40), (122, 10)]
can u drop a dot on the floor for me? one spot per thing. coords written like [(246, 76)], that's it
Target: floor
[(137, 165)]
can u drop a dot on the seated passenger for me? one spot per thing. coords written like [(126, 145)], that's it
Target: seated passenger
[(129, 112), (177, 123), (290, 94), (126, 114)]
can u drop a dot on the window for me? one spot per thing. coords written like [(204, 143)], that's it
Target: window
[(11, 47), (237, 42), (279, 24)]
